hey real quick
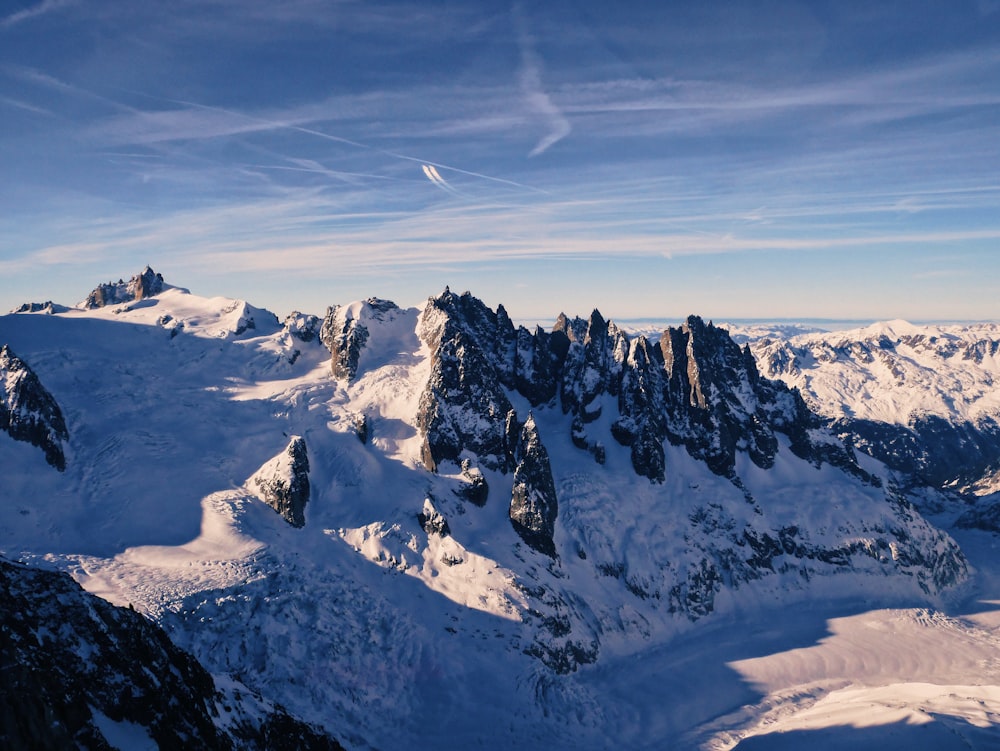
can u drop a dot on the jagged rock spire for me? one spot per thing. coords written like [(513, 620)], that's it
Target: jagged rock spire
[(533, 503), (145, 284), (28, 412), (345, 334), (283, 482)]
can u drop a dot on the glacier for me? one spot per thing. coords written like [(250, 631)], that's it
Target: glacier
[(696, 521)]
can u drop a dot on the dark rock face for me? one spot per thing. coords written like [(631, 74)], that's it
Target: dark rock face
[(362, 428), (464, 406), (283, 483), (28, 412), (984, 515), (48, 307), (695, 387), (642, 424), (139, 287), (533, 503), (538, 358), (303, 326), (593, 364), (717, 402), (474, 487), (345, 340), (345, 335), (67, 654), (432, 521), (932, 450)]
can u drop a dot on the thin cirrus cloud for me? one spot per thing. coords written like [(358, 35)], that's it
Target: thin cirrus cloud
[(34, 11), (255, 236), (942, 84), (500, 136), (26, 106), (536, 99)]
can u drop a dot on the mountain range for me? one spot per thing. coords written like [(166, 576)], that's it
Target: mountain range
[(406, 527)]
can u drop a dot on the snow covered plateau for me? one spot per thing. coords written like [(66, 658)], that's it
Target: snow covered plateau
[(433, 528)]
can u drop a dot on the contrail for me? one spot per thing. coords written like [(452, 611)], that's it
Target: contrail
[(535, 96), (432, 174), (480, 175), (277, 124)]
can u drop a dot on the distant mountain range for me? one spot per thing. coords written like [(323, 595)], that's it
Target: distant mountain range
[(427, 527)]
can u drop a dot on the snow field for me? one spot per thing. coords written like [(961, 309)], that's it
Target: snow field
[(393, 636)]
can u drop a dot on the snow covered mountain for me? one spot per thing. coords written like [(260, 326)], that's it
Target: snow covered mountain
[(425, 526), (922, 399)]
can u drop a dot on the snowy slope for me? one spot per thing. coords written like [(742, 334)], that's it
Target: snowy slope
[(921, 398), (404, 613), (892, 371)]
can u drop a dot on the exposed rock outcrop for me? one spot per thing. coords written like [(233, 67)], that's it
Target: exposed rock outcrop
[(538, 359), (716, 401), (464, 407), (145, 284), (74, 665), (28, 412), (474, 487), (593, 363), (345, 333), (283, 483), (432, 521), (303, 326), (533, 503), (48, 307), (695, 387)]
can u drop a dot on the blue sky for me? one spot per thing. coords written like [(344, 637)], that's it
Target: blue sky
[(735, 160)]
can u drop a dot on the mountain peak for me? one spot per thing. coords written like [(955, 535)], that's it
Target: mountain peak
[(146, 283)]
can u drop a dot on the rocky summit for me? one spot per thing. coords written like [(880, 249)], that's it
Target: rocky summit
[(491, 521), (141, 286)]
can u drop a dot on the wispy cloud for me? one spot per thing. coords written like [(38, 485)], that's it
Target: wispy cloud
[(43, 80), (199, 122), (310, 229), (953, 82), (18, 104), (537, 100), (34, 11)]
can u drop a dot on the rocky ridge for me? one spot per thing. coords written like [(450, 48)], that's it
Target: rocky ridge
[(344, 332), (920, 399), (145, 284), (28, 412), (76, 668), (540, 499), (694, 388)]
